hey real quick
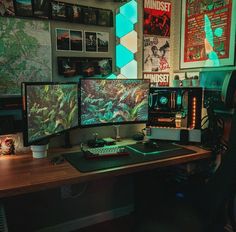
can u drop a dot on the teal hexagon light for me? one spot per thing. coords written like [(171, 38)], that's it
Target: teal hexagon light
[(123, 25), (130, 11), (126, 35), (123, 56), (130, 70)]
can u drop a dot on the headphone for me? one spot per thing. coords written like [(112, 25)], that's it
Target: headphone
[(228, 89)]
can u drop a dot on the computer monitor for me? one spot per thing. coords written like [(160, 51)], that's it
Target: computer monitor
[(113, 101), (49, 109)]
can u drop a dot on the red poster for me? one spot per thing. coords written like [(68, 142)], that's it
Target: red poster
[(157, 17), (207, 30)]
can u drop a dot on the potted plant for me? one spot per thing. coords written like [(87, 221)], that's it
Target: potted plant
[(176, 81)]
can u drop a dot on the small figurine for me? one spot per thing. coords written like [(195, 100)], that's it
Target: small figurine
[(7, 146)]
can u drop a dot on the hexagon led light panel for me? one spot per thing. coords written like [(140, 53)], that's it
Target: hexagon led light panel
[(130, 11), (123, 25), (123, 56), (130, 70), (128, 42)]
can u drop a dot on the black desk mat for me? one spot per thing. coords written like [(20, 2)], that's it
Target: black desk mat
[(82, 164)]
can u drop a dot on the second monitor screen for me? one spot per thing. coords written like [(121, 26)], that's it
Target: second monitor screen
[(113, 101)]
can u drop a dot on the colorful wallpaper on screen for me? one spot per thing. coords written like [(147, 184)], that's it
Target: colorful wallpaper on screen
[(113, 101), (51, 109)]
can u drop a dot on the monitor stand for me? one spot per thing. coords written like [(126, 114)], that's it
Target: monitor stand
[(117, 132), (67, 143)]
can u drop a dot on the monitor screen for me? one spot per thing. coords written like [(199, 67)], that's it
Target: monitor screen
[(118, 101), (48, 110)]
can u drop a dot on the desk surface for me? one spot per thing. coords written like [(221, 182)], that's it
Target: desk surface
[(21, 173)]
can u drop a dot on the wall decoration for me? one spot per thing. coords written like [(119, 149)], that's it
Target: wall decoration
[(157, 79), (90, 15), (63, 39), (208, 33), (84, 66), (105, 18), (74, 13), (156, 41), (59, 11), (103, 41), (157, 17), (7, 8), (25, 53), (76, 40), (41, 8), (126, 49), (90, 41), (156, 54), (24, 8)]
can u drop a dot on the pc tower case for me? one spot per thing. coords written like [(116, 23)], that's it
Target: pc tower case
[(175, 114)]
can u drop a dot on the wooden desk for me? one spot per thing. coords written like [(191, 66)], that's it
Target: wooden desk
[(22, 173)]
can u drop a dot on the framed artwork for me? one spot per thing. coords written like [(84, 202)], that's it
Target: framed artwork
[(103, 41), (59, 11), (41, 9), (105, 18), (24, 8), (7, 8), (207, 33), (90, 15), (90, 41), (76, 40), (74, 13), (63, 39), (84, 66)]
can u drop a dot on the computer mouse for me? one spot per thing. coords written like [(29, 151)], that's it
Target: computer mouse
[(57, 160), (151, 144)]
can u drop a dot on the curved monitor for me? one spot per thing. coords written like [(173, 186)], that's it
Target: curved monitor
[(49, 109), (113, 101)]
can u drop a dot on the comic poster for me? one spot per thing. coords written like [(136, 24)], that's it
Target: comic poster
[(157, 79), (156, 54), (208, 33), (157, 17)]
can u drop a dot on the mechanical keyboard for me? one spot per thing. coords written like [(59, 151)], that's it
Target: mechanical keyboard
[(106, 151)]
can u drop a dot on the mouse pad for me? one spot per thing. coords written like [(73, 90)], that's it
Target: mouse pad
[(82, 164), (151, 149)]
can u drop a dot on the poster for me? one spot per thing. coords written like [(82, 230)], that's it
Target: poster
[(90, 41), (25, 53), (63, 39), (157, 79), (208, 33), (7, 8), (69, 40), (156, 54), (157, 17), (103, 41), (84, 66)]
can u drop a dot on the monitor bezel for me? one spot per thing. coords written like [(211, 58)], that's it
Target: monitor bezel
[(110, 123), (42, 140)]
